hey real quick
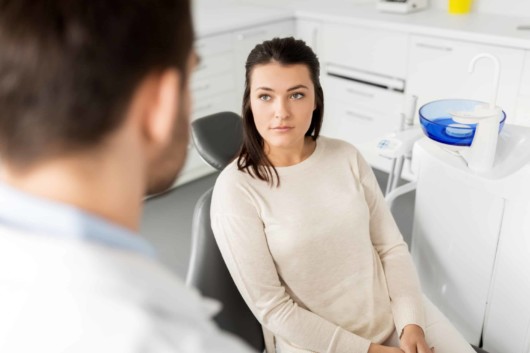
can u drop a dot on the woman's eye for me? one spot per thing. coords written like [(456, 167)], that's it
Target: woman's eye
[(297, 95), (265, 97)]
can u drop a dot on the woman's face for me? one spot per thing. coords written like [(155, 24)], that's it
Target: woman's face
[(282, 100)]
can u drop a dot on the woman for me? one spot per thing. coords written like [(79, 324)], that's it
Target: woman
[(304, 229)]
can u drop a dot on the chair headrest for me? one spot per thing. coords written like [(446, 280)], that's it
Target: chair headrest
[(218, 138)]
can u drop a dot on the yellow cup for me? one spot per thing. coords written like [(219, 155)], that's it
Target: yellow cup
[(459, 6)]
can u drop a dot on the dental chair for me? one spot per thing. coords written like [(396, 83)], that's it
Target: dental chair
[(218, 138)]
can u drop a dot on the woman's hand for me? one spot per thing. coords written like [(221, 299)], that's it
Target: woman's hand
[(413, 340), (377, 348)]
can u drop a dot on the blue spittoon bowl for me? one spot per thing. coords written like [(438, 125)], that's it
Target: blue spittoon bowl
[(438, 124)]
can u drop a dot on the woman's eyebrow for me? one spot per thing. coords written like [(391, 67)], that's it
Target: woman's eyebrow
[(264, 88), (297, 87), (288, 90)]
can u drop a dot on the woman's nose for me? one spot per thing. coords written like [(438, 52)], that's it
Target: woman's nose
[(281, 110)]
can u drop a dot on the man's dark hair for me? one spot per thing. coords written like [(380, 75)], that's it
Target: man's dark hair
[(68, 69)]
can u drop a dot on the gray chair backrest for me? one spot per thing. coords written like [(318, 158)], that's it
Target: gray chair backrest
[(218, 138)]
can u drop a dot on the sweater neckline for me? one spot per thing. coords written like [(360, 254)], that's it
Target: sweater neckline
[(306, 163)]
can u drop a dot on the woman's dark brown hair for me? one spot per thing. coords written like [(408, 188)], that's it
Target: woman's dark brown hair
[(286, 51)]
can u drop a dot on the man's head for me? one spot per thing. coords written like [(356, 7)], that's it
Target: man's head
[(71, 73)]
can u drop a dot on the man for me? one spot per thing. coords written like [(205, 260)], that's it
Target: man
[(94, 98)]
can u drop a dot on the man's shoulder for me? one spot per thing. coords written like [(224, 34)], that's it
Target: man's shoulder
[(63, 287)]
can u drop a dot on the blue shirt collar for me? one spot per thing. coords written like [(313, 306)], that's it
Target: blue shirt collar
[(30, 213)]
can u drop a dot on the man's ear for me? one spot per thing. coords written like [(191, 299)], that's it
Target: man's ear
[(163, 104)]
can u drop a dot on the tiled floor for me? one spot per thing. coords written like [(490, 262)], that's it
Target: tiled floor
[(167, 220)]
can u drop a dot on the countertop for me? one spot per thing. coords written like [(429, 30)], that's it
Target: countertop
[(475, 27)]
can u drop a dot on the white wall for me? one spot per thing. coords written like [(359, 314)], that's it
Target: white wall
[(283, 2), (519, 8)]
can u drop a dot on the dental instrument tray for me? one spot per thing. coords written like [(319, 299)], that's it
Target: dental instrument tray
[(436, 119)]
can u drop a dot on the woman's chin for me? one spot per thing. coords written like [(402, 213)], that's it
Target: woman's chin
[(283, 141)]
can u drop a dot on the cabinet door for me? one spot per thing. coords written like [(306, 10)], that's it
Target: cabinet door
[(438, 69), (309, 32), (507, 327), (359, 113), (246, 40), (382, 52)]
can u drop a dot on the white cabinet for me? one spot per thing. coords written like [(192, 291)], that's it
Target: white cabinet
[(525, 77), (212, 86), (309, 31), (438, 69), (214, 77), (523, 100), (363, 77), (246, 40), (383, 52), (455, 260), (359, 112)]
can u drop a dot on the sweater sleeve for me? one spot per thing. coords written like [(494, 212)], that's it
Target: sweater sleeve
[(401, 277), (240, 234)]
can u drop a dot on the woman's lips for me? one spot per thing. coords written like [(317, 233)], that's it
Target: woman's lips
[(282, 128)]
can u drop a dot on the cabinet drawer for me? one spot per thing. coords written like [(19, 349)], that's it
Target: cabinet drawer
[(372, 50), (356, 124), (214, 64), (210, 86), (207, 46), (366, 96), (218, 103)]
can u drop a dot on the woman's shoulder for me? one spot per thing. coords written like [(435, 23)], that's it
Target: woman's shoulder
[(334, 146), (344, 153), (234, 192), (232, 175), (233, 180)]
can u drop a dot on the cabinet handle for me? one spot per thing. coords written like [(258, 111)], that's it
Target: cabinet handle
[(359, 116), (360, 93), (435, 47), (250, 34)]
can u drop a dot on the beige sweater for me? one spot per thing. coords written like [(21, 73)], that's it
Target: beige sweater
[(319, 260)]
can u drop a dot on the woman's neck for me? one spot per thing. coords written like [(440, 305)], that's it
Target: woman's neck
[(288, 156)]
